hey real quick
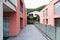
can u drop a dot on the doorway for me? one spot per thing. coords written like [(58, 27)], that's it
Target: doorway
[(21, 23), (57, 24)]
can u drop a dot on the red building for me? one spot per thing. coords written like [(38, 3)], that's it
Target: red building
[(15, 17)]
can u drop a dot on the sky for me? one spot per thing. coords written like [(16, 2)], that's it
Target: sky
[(35, 3)]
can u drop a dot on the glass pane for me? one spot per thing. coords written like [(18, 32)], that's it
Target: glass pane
[(57, 7), (51, 32), (58, 33), (46, 12), (57, 4), (5, 26), (14, 2), (21, 9), (57, 10), (21, 6)]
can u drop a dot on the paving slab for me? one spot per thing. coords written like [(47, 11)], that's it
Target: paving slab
[(30, 32)]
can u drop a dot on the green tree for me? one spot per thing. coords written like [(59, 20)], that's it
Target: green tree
[(36, 9)]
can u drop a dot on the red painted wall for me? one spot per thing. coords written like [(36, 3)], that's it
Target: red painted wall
[(14, 19)]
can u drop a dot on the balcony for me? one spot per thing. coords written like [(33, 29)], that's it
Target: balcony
[(9, 5), (14, 2)]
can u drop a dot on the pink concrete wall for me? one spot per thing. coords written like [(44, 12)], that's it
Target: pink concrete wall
[(14, 19), (51, 14)]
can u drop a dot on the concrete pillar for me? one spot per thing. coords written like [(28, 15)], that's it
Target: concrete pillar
[(1, 19)]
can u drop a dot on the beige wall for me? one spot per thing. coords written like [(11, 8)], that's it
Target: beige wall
[(1, 20), (51, 14)]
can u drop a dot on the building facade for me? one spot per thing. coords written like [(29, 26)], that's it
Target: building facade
[(14, 17), (50, 15)]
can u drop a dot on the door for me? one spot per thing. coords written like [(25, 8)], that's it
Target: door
[(57, 24), (21, 23), (5, 26)]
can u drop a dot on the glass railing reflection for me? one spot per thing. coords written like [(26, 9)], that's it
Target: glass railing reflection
[(50, 31), (57, 33), (14, 2)]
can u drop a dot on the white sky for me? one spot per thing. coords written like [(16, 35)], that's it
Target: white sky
[(35, 3)]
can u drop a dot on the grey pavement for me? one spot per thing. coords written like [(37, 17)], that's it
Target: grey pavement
[(30, 32)]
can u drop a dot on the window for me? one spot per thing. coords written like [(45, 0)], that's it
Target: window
[(46, 12), (5, 26), (57, 7), (21, 6), (43, 13)]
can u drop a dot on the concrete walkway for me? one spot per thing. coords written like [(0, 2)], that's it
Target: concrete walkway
[(29, 33)]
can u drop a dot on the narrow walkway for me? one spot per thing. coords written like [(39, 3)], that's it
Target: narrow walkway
[(29, 33)]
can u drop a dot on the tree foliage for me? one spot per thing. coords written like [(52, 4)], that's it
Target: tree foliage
[(36, 9)]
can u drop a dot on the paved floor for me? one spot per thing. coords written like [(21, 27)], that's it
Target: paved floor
[(29, 33)]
